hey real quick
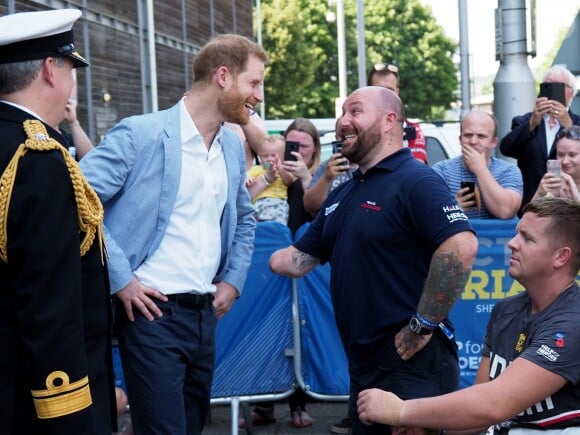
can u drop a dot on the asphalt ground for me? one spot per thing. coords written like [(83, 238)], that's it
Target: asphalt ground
[(324, 414)]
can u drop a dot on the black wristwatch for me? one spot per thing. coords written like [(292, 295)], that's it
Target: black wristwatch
[(418, 327)]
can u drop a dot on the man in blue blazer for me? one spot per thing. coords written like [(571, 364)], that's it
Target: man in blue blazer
[(179, 231), (532, 136)]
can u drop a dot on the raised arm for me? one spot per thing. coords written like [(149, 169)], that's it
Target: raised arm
[(81, 141), (499, 195), (255, 131), (318, 190), (292, 262), (502, 202)]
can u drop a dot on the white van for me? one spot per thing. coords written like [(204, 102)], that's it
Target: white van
[(442, 140), (278, 126)]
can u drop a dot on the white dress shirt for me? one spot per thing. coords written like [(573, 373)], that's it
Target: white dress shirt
[(188, 258)]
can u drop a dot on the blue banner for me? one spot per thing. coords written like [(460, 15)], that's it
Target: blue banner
[(255, 340), (488, 283), (251, 340)]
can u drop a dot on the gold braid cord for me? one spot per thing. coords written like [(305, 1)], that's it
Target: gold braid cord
[(89, 207)]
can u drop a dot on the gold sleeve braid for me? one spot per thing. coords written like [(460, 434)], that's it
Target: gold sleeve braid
[(89, 207)]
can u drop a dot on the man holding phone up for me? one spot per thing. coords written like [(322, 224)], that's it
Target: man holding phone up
[(484, 186), (532, 135)]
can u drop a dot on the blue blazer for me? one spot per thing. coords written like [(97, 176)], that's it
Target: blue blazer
[(530, 150), (136, 170)]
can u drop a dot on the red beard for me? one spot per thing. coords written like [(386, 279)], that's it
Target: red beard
[(232, 106)]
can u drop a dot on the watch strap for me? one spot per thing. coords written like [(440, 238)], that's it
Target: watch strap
[(424, 322)]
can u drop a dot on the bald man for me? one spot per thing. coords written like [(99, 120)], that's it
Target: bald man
[(498, 185), (401, 250)]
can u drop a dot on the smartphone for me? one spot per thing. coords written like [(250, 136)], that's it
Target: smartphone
[(337, 148), (409, 133), (554, 167), (553, 91), (291, 146), (470, 184)]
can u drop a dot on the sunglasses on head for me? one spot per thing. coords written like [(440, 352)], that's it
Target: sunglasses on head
[(569, 133), (386, 66)]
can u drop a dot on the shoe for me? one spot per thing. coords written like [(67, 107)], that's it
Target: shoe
[(343, 427), (300, 417), (259, 416)]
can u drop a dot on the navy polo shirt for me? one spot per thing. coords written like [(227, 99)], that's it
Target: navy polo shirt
[(379, 231)]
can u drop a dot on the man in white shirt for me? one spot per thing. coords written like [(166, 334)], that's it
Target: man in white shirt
[(179, 230)]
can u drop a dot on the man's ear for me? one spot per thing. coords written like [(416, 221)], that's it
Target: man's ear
[(390, 119), (563, 257), (222, 76), (48, 70)]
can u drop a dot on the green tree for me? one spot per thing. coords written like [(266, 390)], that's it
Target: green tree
[(292, 63), (550, 56), (405, 33), (302, 76)]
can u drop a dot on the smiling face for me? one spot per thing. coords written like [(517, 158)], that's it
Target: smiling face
[(242, 93), (359, 126), (368, 122), (568, 152)]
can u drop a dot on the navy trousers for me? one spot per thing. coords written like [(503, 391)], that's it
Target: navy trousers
[(168, 365), (432, 371)]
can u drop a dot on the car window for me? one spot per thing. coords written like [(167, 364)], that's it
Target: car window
[(435, 150)]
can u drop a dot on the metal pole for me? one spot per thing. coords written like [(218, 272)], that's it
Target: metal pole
[(514, 86), (361, 46), (88, 76), (464, 58), (211, 19), (234, 17), (259, 31), (341, 49), (152, 57), (184, 36)]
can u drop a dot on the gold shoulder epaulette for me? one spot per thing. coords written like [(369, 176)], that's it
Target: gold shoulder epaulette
[(62, 399), (89, 207)]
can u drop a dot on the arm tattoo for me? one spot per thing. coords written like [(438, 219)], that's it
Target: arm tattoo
[(302, 262), (445, 282)]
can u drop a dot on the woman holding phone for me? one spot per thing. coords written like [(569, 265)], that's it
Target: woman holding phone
[(304, 132), (563, 182)]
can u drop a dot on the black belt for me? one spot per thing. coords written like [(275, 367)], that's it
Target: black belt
[(191, 300)]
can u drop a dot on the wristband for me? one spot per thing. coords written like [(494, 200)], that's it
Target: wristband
[(425, 322), (266, 180), (448, 332)]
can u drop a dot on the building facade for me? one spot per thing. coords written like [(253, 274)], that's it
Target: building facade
[(140, 51)]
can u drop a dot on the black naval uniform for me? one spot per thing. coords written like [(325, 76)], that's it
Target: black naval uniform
[(55, 318)]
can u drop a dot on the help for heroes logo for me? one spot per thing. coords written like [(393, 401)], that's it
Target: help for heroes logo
[(454, 213)]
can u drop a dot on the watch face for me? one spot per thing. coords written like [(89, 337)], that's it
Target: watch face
[(415, 325)]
